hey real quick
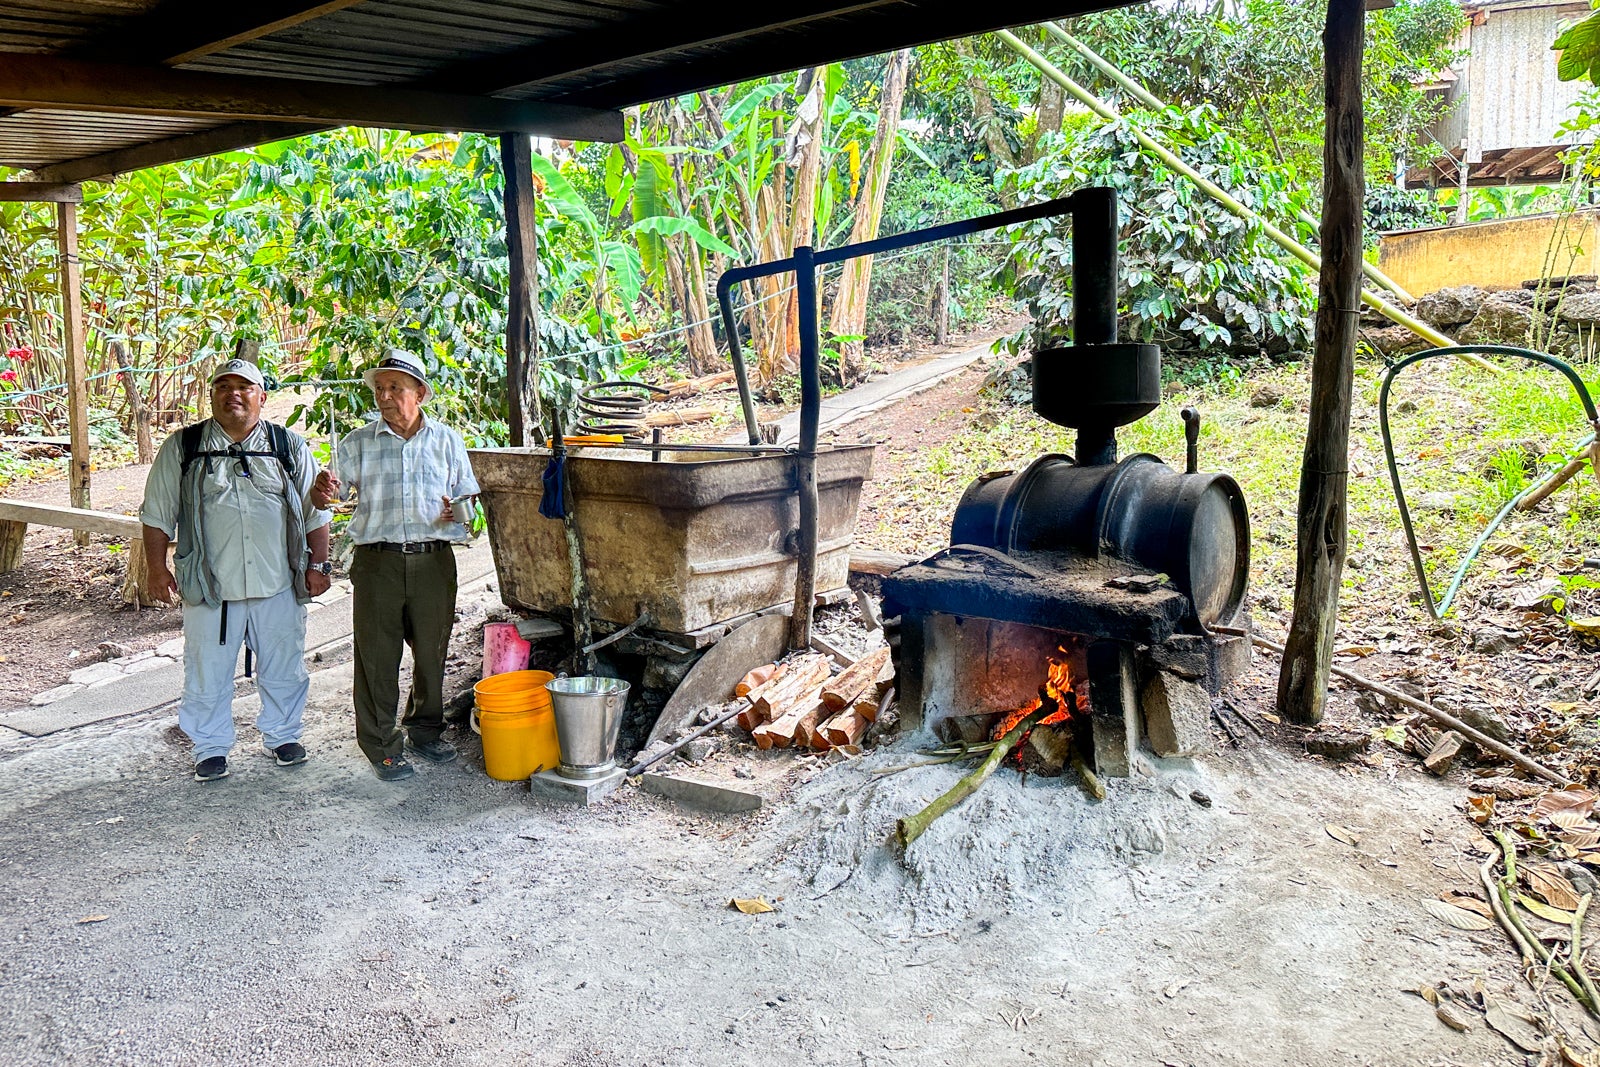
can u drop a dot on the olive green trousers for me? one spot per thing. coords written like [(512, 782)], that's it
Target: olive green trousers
[(399, 600)]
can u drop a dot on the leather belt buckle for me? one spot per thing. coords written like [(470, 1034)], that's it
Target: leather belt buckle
[(413, 548)]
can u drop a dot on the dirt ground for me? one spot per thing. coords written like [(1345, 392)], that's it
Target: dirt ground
[(317, 916)]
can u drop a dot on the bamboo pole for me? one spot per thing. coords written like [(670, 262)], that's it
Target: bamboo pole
[(1216, 192), (1150, 100)]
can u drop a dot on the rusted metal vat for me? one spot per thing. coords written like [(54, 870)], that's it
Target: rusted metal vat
[(694, 542)]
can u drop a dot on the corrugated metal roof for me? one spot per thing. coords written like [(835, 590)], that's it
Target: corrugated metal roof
[(606, 54)]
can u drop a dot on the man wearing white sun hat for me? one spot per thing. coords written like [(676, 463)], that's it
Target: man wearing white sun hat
[(412, 479)]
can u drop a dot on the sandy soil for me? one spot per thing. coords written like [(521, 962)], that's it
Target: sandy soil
[(318, 916)]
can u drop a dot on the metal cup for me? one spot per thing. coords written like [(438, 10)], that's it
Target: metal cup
[(588, 712)]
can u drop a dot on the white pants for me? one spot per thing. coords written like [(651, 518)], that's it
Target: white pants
[(275, 628)]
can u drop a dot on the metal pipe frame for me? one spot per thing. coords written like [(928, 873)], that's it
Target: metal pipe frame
[(804, 264)]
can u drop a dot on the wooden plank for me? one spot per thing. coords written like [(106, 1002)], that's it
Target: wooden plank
[(99, 522), (526, 420), (183, 31), (72, 339), (41, 193), (1325, 471), (52, 83)]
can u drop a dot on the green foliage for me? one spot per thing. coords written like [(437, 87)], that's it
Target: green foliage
[(1579, 45), (1192, 273), (1259, 64), (1389, 207)]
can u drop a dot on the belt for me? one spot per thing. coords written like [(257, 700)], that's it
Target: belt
[(410, 548)]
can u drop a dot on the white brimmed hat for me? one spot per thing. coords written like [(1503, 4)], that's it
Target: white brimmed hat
[(240, 368), (404, 362)]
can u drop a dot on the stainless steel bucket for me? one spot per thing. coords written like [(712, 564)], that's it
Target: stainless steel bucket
[(588, 714)]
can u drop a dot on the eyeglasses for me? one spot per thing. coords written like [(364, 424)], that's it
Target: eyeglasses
[(241, 461)]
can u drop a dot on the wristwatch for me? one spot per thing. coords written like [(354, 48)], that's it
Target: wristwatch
[(324, 568)]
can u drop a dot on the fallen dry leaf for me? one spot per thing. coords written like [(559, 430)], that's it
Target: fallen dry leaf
[(757, 906), (1514, 1026), (1578, 800), (1581, 839), (1452, 1016), (1589, 627), (1480, 809), (1460, 918), (1339, 833), (1426, 992), (1568, 820), (1550, 884), (1471, 904), (93, 919), (1545, 911)]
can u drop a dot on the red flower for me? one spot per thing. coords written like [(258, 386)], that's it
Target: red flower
[(21, 354), (8, 375)]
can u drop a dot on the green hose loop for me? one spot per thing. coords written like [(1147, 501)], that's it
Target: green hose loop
[(1437, 610)]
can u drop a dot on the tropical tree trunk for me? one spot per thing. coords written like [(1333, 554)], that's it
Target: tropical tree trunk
[(803, 151), (850, 305)]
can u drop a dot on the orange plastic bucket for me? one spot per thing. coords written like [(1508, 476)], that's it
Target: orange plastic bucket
[(517, 725)]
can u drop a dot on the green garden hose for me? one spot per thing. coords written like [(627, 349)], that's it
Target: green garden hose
[(1436, 610)]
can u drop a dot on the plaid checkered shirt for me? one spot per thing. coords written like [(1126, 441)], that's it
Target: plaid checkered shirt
[(400, 484)]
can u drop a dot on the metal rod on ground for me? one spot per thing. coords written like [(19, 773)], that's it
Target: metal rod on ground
[(642, 765), (805, 466), (1150, 100), (1477, 737), (1216, 192)]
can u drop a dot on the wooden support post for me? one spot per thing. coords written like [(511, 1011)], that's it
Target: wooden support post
[(12, 535), (522, 314), (1324, 474), (1463, 189), (136, 409), (941, 314), (77, 367)]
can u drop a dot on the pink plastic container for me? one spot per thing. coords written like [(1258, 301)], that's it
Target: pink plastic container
[(503, 649)]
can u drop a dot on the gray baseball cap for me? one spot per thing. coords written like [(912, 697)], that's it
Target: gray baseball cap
[(240, 368), (405, 363)]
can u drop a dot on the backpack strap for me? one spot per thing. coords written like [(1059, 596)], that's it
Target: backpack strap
[(191, 444), (280, 448)]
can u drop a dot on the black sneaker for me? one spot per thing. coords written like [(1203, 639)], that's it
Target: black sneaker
[(393, 769), (288, 755), (436, 751), (209, 770)]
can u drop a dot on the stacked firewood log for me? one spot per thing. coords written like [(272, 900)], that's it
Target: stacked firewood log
[(801, 703)]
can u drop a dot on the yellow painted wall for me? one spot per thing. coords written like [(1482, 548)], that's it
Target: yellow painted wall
[(1500, 254)]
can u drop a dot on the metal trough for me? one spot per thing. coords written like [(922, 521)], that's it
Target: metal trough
[(694, 542)]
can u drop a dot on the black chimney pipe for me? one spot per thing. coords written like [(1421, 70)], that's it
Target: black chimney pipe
[(1094, 301)]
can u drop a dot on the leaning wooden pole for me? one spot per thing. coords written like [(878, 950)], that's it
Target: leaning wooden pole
[(1155, 103), (524, 419), (1175, 163), (1325, 471), (77, 363)]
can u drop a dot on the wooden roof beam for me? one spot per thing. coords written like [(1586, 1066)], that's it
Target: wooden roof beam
[(40, 193), (210, 142), (181, 31), (51, 83), (643, 39)]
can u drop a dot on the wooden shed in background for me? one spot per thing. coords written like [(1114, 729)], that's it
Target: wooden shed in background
[(1508, 102)]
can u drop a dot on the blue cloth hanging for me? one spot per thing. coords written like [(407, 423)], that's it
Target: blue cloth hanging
[(553, 504)]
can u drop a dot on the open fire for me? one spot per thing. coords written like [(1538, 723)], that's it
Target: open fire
[(1057, 688)]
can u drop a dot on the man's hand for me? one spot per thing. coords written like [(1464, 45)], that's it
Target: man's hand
[(161, 583), (317, 583), (325, 490)]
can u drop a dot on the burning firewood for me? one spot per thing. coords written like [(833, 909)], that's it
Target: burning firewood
[(912, 827), (848, 686)]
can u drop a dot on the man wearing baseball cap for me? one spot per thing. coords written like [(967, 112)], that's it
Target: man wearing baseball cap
[(413, 482), (234, 492)]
